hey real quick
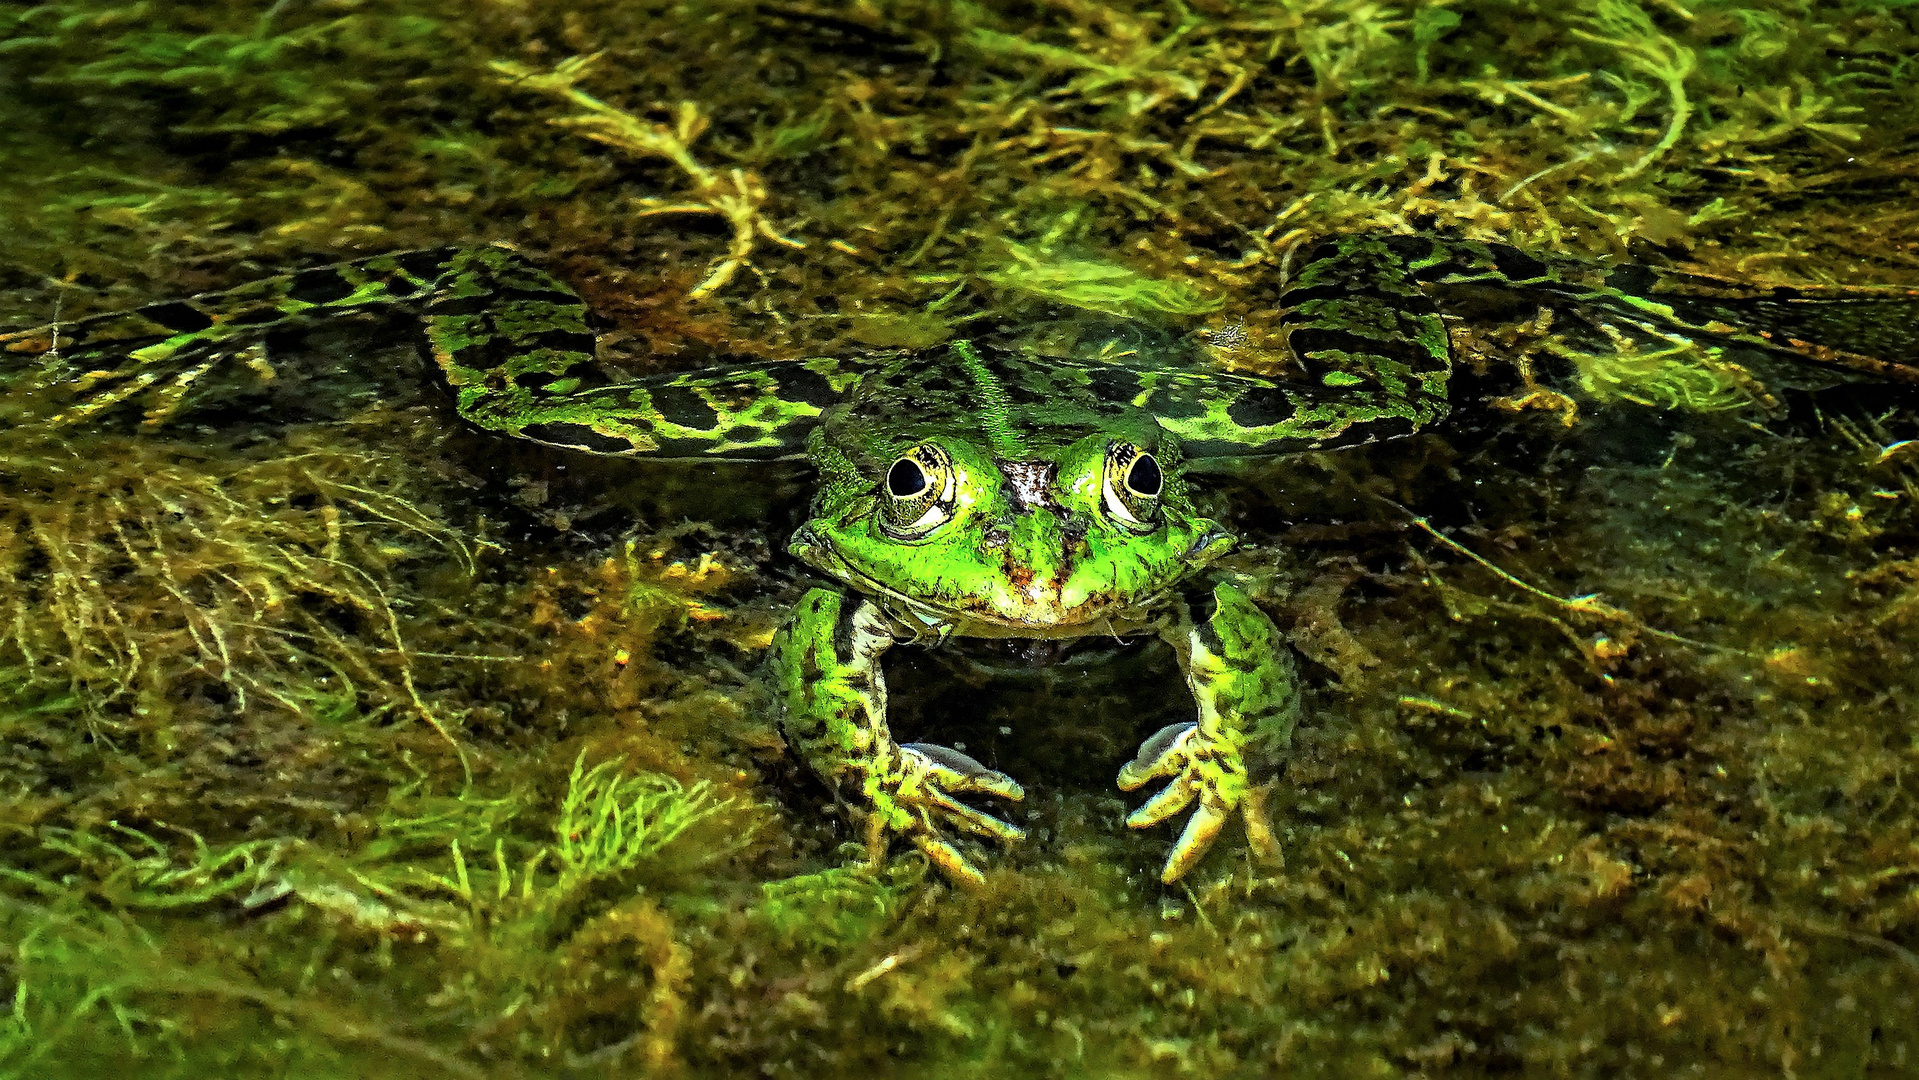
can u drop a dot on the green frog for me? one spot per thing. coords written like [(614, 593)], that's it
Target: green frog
[(984, 490)]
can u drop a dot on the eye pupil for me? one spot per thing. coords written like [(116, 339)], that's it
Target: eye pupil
[(905, 479), (1144, 477)]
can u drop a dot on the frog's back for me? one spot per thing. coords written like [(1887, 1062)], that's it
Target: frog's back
[(1016, 404)]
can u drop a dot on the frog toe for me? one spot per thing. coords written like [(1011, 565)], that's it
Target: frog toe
[(954, 771), (950, 862), (1200, 832), (928, 780), (1165, 754), (1171, 799), (972, 820), (1201, 771)]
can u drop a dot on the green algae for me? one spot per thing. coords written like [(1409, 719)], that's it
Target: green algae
[(346, 744)]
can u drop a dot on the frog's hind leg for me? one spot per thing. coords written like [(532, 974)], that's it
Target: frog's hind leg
[(1357, 320), (159, 351), (1376, 356), (1849, 332), (514, 345), (1869, 332)]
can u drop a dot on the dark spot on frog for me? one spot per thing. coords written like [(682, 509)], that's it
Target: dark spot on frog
[(845, 633), (1178, 402), (684, 407), (1633, 279), (1516, 264), (399, 285), (178, 317), (1408, 248), (535, 380), (322, 285), (939, 385), (425, 265), (806, 386), (1259, 407), (577, 341)]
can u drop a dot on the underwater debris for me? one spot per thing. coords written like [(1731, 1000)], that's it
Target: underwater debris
[(736, 195), (1095, 285), (1685, 375)]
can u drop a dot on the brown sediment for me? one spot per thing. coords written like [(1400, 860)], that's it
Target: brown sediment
[(1527, 838)]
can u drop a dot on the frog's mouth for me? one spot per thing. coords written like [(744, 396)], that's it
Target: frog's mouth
[(1021, 595)]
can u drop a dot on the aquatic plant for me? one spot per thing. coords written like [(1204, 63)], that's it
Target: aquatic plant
[(1094, 284), (258, 566), (735, 195), (610, 823), (1683, 375), (1604, 769), (835, 907)]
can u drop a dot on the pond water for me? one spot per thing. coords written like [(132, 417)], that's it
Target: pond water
[(346, 737)]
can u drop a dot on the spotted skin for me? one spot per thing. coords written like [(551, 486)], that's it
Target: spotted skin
[(1243, 682), (977, 491), (831, 696), (510, 340)]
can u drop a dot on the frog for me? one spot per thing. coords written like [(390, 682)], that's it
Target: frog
[(979, 489)]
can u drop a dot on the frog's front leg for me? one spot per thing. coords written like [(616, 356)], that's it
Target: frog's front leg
[(1241, 675), (831, 695)]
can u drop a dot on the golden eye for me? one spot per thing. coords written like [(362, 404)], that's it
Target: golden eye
[(917, 495), (1133, 485)]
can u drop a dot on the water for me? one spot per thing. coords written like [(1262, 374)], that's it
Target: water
[(318, 706)]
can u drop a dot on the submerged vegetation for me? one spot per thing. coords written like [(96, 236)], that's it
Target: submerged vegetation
[(339, 741)]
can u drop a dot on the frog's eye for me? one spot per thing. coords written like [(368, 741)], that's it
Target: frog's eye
[(1132, 486), (917, 495), (1143, 478)]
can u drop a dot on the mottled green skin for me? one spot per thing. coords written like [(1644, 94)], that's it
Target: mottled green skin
[(1049, 495)]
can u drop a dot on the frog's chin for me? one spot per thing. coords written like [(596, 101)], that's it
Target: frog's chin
[(1016, 603), (1038, 606), (1009, 608), (1033, 610), (1038, 621), (1003, 614)]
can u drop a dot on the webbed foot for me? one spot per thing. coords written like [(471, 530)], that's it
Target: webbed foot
[(915, 799), (1202, 770)]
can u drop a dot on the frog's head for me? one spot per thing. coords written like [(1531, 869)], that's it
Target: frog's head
[(1043, 533)]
